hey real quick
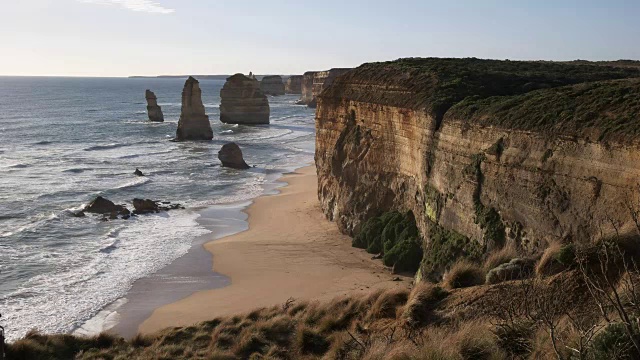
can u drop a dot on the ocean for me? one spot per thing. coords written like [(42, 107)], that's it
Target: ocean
[(64, 141)]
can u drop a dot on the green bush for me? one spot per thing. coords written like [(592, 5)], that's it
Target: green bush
[(519, 268), (567, 255), (445, 248), (405, 256), (613, 343)]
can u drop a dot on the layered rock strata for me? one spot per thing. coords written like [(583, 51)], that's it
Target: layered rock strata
[(242, 102), (472, 150), (230, 155), (153, 109), (194, 123), (293, 85), (272, 85), (314, 82)]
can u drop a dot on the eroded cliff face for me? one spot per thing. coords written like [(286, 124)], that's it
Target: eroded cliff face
[(389, 142), (314, 82), (293, 85), (306, 88)]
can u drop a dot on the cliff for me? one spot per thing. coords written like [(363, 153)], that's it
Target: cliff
[(272, 85), (153, 109), (485, 153), (293, 85), (242, 101), (306, 88), (194, 123)]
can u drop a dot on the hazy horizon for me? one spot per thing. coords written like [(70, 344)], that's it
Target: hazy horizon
[(120, 38)]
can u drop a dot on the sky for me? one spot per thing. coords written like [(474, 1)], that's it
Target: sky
[(159, 37)]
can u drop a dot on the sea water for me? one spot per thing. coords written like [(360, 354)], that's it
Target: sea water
[(64, 141)]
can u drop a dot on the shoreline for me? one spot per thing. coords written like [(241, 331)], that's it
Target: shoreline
[(290, 250)]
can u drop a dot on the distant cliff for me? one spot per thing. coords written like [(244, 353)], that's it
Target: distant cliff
[(314, 82), (494, 152)]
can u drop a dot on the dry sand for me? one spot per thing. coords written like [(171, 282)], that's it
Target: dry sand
[(290, 251)]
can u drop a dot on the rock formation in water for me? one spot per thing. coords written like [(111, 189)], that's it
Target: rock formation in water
[(153, 109), (242, 101), (314, 82), (194, 123), (138, 172), (293, 85), (272, 85), (479, 159), (146, 206), (231, 156), (107, 208)]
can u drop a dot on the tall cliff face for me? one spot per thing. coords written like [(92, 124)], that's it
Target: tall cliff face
[(497, 152), (194, 123), (293, 85), (307, 88)]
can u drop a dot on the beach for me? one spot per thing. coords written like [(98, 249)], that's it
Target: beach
[(290, 251)]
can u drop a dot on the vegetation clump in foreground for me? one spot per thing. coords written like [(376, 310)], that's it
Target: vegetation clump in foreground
[(393, 235), (587, 311)]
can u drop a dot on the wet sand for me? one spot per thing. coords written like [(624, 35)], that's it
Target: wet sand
[(290, 250)]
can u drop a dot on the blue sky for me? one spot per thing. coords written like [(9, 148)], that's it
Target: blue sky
[(145, 37)]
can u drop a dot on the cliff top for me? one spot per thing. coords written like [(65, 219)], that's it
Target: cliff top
[(597, 110), (436, 84)]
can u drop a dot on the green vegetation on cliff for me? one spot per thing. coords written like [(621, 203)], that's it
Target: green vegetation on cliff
[(395, 236), (608, 109), (436, 84)]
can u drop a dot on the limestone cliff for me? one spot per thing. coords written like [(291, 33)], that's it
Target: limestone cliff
[(153, 109), (242, 101), (306, 88), (272, 85), (494, 151), (293, 85), (194, 123)]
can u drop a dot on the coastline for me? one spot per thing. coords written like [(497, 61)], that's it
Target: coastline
[(290, 250)]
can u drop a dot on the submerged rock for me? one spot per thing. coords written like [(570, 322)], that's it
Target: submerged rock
[(194, 123), (293, 85), (272, 85), (231, 156), (146, 206), (242, 101), (138, 172), (103, 206), (153, 109)]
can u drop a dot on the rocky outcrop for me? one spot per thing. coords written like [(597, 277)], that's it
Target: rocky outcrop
[(146, 206), (153, 109), (314, 82), (293, 85), (101, 205), (242, 101), (230, 156), (306, 88), (138, 172), (506, 165), (272, 85), (194, 123)]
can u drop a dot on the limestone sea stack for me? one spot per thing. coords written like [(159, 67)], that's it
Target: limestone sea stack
[(306, 88), (231, 156), (194, 123), (242, 101), (293, 85), (272, 85), (153, 109)]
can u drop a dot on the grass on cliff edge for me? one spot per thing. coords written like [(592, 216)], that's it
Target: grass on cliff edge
[(436, 84), (604, 110)]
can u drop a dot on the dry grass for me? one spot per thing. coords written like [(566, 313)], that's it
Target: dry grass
[(497, 258), (423, 299), (464, 274), (548, 265)]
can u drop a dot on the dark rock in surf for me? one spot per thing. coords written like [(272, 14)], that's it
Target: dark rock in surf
[(145, 206), (103, 206), (138, 172), (231, 156)]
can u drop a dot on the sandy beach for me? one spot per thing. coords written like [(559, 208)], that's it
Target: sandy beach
[(289, 251)]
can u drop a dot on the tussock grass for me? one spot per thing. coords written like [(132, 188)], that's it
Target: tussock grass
[(422, 300), (464, 274), (497, 258)]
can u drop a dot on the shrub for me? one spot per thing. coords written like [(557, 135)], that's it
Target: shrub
[(516, 338), (464, 274), (404, 256), (422, 300), (613, 343), (445, 248), (474, 341), (369, 235), (519, 268)]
